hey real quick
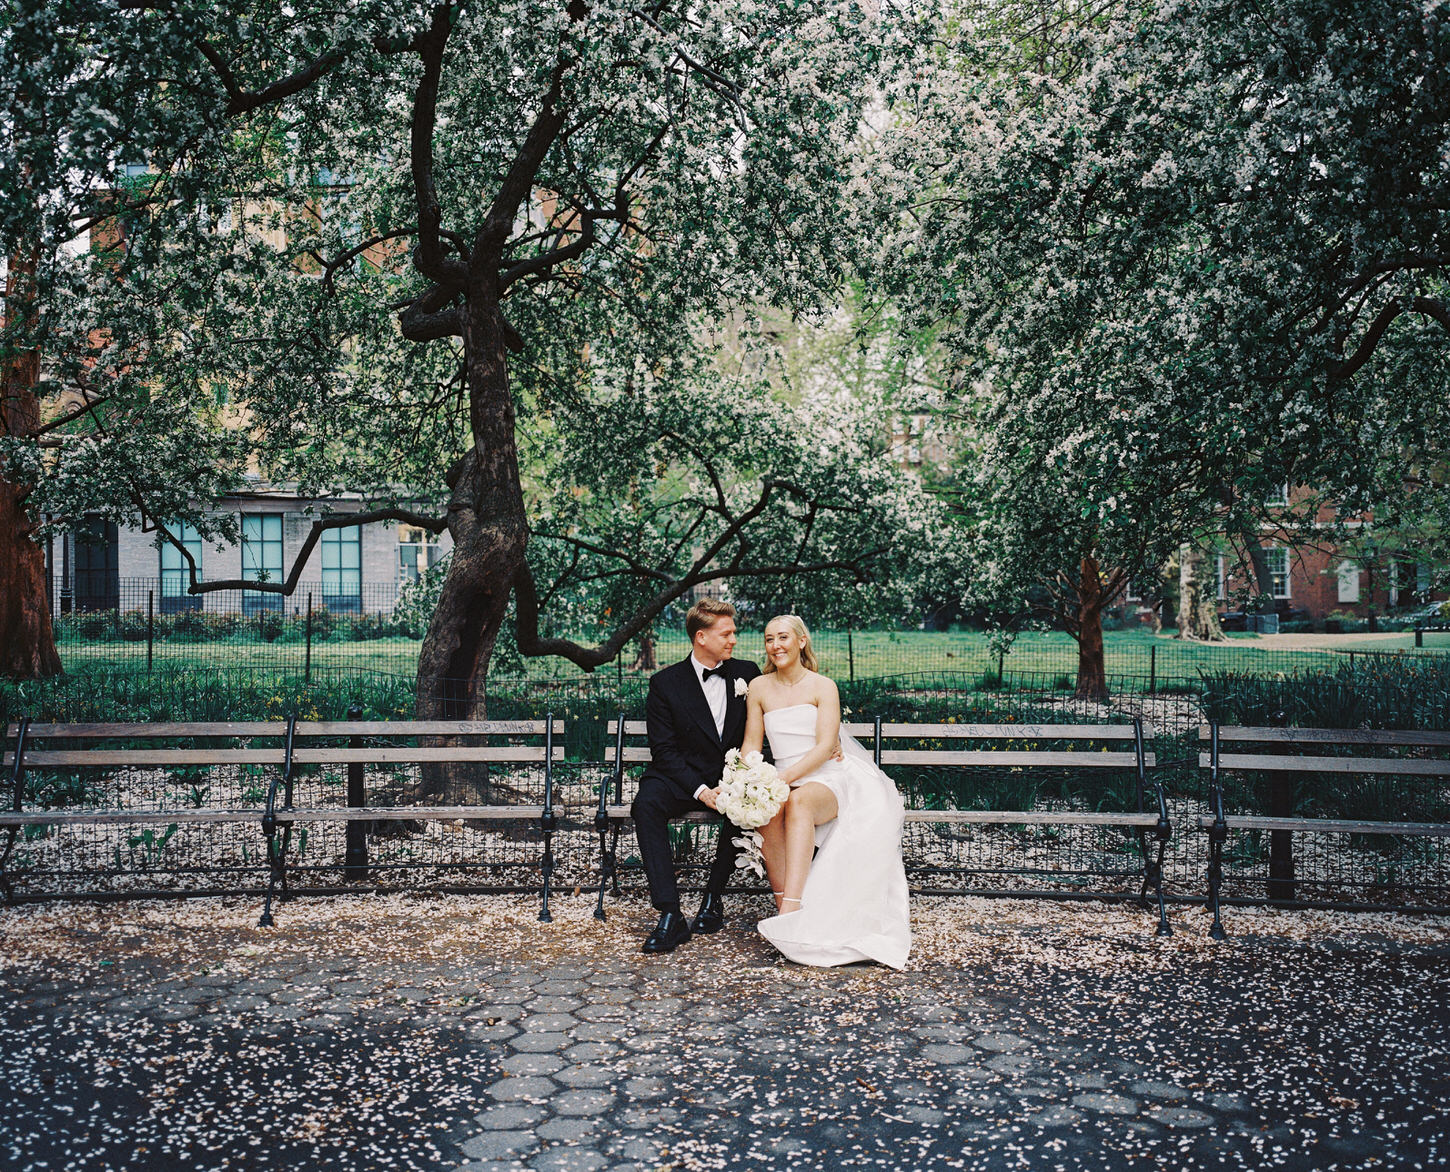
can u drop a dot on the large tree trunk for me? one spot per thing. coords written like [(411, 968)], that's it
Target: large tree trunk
[(646, 660), (1197, 605), (27, 640), (486, 520), (1092, 673)]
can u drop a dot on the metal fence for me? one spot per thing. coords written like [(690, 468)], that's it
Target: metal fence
[(145, 628)]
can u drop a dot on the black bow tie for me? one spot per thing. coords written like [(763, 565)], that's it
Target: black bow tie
[(712, 671)]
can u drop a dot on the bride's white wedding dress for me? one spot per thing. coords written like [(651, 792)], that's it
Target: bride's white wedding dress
[(855, 904)]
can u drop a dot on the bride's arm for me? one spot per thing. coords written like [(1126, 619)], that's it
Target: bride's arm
[(828, 734), (754, 721)]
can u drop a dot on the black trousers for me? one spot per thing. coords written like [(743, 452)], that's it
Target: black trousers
[(653, 808)]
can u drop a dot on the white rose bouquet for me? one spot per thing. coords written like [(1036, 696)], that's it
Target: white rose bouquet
[(751, 794)]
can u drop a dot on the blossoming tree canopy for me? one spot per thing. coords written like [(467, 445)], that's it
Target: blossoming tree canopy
[(431, 230), (1183, 256)]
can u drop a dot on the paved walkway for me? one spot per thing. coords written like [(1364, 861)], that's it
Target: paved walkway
[(405, 1033)]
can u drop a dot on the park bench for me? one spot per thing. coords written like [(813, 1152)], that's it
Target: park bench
[(1431, 626), (1082, 751), (280, 752), (1284, 757)]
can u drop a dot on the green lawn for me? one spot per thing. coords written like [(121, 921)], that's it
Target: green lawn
[(862, 655)]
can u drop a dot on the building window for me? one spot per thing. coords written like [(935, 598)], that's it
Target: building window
[(342, 569), (175, 574), (261, 559), (1277, 560), (417, 551), (1131, 592), (1279, 495), (1348, 582)]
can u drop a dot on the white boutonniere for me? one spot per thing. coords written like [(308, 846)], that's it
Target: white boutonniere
[(741, 687)]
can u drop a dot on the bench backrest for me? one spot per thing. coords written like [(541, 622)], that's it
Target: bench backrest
[(1293, 750), (632, 753), (1086, 752), (99, 752)]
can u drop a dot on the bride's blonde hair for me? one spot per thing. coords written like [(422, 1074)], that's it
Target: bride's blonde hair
[(802, 632)]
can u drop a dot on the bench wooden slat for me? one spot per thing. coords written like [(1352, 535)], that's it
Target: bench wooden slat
[(396, 754), (1035, 817), (1253, 734), (169, 728), (304, 728), (988, 817), (632, 755), (350, 814), (413, 813), (119, 758), (1003, 757), (424, 728), (622, 814), (1329, 825), (1015, 732), (1095, 732), (124, 817), (379, 755), (1007, 758), (1269, 763)]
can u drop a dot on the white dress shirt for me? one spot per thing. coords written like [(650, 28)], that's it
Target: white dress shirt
[(716, 697)]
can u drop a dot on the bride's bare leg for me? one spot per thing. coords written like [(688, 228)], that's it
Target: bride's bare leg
[(772, 850), (809, 806)]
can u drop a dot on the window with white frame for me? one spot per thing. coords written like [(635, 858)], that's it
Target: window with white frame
[(342, 569), (175, 574), (261, 558), (1277, 561), (1348, 582), (1278, 495)]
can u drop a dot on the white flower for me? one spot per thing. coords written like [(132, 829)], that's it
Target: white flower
[(751, 794), (741, 687)]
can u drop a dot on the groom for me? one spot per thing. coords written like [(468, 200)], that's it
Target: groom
[(695, 712)]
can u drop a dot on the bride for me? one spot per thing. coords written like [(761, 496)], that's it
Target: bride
[(850, 903)]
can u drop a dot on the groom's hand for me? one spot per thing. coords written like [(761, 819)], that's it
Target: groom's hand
[(708, 796)]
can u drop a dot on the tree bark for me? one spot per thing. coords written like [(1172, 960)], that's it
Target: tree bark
[(490, 534), (1197, 607), (1092, 674), (646, 659), (27, 639)]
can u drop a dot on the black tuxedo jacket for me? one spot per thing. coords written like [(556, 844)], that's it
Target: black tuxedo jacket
[(685, 752)]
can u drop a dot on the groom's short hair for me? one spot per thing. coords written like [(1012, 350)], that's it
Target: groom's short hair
[(705, 614)]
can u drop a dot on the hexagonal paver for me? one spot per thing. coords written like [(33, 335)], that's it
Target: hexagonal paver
[(541, 1043), (527, 1063), (511, 1116), (1106, 1104), (528, 1087), (582, 1102), (493, 1145), (1181, 1117)]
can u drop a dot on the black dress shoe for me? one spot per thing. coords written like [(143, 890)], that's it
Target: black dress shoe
[(710, 917), (669, 933)]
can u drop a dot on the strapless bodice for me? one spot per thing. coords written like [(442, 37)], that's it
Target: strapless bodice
[(791, 731)]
